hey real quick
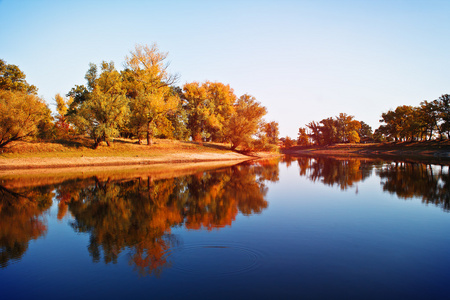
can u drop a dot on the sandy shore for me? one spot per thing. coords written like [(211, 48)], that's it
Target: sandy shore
[(15, 164)]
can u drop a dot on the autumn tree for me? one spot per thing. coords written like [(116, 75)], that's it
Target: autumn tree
[(62, 106), (106, 106), (13, 79), (209, 106), (271, 131), (244, 123), (347, 128), (365, 132), (443, 106), (288, 142), (151, 96), (20, 115), (303, 139)]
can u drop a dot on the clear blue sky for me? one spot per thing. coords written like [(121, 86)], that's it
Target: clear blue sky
[(303, 60)]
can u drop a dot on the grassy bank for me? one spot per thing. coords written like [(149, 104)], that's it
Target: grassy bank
[(78, 153)]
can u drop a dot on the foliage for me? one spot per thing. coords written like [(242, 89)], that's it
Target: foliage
[(271, 131), (152, 99), (410, 123), (20, 115), (209, 106), (288, 142), (303, 138), (245, 122), (106, 106), (13, 79), (341, 129), (62, 107)]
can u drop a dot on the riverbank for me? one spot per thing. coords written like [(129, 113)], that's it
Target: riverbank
[(429, 150), (29, 157)]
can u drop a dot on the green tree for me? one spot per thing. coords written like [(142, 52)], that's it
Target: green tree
[(105, 108), (13, 79)]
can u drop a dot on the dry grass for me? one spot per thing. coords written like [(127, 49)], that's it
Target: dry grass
[(45, 157), (82, 146)]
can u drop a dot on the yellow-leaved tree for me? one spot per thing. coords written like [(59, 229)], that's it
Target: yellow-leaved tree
[(245, 121), (20, 115), (209, 106), (105, 108), (152, 98)]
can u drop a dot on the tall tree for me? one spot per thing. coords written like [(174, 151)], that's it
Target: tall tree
[(152, 99), (444, 113), (244, 123), (271, 131), (347, 128), (303, 139), (106, 106), (209, 106)]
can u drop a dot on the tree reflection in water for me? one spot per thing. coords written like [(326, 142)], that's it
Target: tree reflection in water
[(20, 220), (405, 179), (138, 214)]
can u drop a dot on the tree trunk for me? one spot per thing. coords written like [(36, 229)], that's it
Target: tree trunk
[(149, 139), (149, 135), (96, 142)]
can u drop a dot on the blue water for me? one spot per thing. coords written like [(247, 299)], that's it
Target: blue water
[(299, 239)]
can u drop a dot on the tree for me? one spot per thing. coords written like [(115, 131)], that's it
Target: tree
[(105, 108), (244, 123), (429, 116), (365, 132), (62, 107), (288, 142), (315, 134), (148, 87), (347, 128), (443, 104), (303, 139), (20, 115), (271, 131), (221, 98), (13, 79), (209, 106)]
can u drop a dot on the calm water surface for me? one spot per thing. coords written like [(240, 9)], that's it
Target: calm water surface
[(300, 228)]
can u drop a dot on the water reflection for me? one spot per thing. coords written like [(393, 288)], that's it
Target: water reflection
[(404, 179), (136, 215), (407, 180), (21, 220)]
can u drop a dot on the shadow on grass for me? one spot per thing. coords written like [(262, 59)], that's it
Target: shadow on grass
[(77, 142)]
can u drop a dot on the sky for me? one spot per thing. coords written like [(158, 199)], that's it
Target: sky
[(303, 60)]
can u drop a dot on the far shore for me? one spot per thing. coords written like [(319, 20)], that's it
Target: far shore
[(431, 151)]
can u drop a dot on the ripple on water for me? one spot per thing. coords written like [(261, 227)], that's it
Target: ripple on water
[(215, 259)]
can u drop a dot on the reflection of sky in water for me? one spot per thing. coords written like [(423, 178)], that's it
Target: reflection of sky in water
[(312, 240)]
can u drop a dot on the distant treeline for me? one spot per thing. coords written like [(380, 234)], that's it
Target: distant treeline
[(430, 120), (141, 101)]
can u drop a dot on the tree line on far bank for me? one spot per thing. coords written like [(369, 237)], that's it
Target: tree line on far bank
[(141, 101), (430, 120)]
